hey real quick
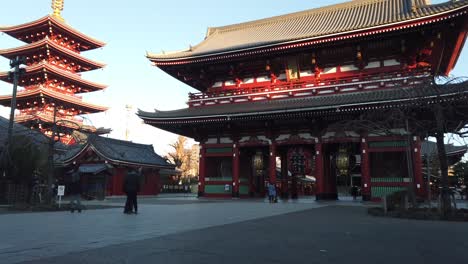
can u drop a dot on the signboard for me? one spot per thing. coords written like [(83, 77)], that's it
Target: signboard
[(227, 187), (60, 193), (61, 190)]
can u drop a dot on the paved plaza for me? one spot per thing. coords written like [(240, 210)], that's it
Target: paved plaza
[(184, 230)]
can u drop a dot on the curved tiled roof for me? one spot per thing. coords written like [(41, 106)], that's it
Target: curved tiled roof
[(56, 23), (118, 151), (126, 151), (45, 67), (315, 23), (40, 91), (314, 103), (38, 138), (47, 118), (430, 148), (46, 43)]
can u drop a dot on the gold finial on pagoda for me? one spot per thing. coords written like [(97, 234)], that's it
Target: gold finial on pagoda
[(57, 7)]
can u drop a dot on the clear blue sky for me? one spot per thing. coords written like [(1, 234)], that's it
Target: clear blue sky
[(130, 28)]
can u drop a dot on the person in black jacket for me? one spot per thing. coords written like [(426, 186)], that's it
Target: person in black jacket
[(75, 191), (131, 187)]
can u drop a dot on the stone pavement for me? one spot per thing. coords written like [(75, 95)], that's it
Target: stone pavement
[(229, 231), (38, 235), (331, 234)]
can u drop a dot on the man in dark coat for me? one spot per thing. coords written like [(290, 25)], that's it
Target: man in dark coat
[(75, 191), (131, 187)]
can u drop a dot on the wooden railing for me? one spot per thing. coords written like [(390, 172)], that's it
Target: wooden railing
[(304, 89)]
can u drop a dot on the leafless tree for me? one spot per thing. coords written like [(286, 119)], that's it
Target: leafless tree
[(424, 115)]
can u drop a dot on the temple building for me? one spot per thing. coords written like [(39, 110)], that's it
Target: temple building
[(52, 81), (335, 94), (103, 163)]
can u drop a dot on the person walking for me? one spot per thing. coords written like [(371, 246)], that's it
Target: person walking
[(75, 191), (354, 192), (131, 187), (271, 192)]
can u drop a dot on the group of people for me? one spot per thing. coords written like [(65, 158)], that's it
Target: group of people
[(272, 197)]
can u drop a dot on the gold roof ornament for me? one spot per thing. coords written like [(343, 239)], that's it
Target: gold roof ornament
[(57, 7)]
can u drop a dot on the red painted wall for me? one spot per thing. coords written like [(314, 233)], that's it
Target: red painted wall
[(150, 184), (116, 181)]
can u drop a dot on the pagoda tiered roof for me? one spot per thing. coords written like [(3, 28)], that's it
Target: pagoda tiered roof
[(52, 76), (31, 51), (344, 21), (41, 72), (68, 101), (48, 25), (46, 118)]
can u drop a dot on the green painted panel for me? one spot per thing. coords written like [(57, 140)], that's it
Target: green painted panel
[(243, 190), (390, 179), (218, 150), (244, 180), (388, 144), (408, 180), (218, 189), (382, 191), (208, 179)]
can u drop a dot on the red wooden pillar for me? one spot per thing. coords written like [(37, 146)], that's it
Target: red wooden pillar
[(202, 171), (235, 170), (365, 171), (319, 177), (284, 176), (272, 163), (417, 167)]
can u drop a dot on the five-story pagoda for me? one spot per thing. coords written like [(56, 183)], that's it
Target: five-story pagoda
[(52, 78)]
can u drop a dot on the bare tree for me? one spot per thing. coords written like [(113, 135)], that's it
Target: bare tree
[(425, 115)]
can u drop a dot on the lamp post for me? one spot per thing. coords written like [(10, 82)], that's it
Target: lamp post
[(50, 158), (15, 74)]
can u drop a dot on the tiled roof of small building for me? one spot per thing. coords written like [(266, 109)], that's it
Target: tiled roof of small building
[(115, 151), (320, 22), (126, 151), (39, 139), (20, 130), (313, 103)]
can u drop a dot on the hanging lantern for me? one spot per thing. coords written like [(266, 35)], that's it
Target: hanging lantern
[(359, 55), (267, 67), (258, 161), (342, 161)]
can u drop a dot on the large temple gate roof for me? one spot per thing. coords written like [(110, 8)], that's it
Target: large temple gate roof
[(325, 22)]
